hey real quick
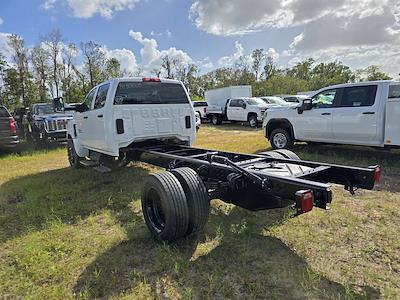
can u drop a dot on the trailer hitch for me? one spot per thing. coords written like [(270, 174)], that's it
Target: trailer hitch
[(264, 183)]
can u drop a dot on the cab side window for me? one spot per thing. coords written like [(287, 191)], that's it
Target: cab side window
[(89, 99), (325, 99), (234, 103), (241, 103), (101, 96), (358, 96)]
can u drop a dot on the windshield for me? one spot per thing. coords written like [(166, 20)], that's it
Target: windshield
[(150, 93), (255, 101), (276, 100), (44, 109)]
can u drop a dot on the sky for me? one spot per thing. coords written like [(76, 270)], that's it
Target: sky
[(215, 33)]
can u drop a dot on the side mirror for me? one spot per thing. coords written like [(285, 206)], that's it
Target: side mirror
[(244, 105), (58, 104), (307, 104)]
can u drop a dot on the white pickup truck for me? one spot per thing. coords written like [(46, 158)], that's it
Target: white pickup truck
[(366, 113), (120, 112), (152, 120), (243, 109)]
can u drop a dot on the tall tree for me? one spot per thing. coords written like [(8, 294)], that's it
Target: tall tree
[(40, 62), (258, 56), (94, 59), (372, 73), (167, 65), (19, 54), (113, 68), (269, 67), (54, 42)]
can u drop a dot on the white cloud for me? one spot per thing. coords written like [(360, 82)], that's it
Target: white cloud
[(48, 4), (126, 58), (5, 49), (106, 8), (233, 58), (151, 56)]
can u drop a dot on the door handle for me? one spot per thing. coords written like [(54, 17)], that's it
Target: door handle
[(99, 116), (368, 113), (326, 114), (86, 117)]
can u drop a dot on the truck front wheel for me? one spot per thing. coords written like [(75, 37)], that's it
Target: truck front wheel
[(281, 139), (253, 121), (165, 207), (73, 158)]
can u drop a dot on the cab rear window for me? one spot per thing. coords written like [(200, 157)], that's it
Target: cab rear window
[(149, 93), (394, 91)]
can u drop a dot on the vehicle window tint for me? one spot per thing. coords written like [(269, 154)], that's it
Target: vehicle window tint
[(234, 103), (199, 103), (358, 96), (324, 99), (101, 96), (394, 91), (4, 113), (150, 93), (89, 99)]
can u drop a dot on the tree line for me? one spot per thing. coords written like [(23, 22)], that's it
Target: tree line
[(50, 69)]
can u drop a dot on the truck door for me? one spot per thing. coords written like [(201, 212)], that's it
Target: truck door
[(82, 119), (232, 110), (355, 121), (96, 120), (316, 124)]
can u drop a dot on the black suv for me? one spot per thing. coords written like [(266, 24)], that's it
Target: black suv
[(8, 130)]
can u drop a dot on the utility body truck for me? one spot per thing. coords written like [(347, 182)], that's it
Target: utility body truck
[(366, 113), (236, 104), (152, 120)]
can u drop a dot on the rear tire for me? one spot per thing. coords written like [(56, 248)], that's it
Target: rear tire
[(197, 198), (288, 154), (164, 207), (281, 139), (73, 158), (216, 120)]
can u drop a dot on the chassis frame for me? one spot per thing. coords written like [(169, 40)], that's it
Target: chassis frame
[(246, 179)]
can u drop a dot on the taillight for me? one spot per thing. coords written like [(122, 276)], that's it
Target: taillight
[(378, 174), (151, 79), (13, 126), (305, 201)]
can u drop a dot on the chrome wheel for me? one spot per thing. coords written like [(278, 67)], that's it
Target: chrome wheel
[(280, 140), (253, 121)]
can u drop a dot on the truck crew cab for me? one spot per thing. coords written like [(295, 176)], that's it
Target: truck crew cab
[(152, 120), (364, 113)]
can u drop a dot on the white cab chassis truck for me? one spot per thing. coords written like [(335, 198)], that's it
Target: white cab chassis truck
[(152, 120), (366, 114), (235, 104)]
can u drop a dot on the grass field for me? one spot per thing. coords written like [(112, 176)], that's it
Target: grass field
[(80, 234)]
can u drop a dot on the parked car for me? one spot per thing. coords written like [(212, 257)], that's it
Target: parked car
[(8, 130), (46, 124), (244, 109), (364, 113), (201, 108), (292, 98), (151, 120), (274, 101)]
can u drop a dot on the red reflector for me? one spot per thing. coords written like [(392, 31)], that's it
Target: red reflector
[(305, 200), (151, 79), (378, 174), (13, 126)]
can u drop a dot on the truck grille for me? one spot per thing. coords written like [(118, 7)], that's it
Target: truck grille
[(56, 125)]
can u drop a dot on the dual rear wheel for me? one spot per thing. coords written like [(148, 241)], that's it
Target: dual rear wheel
[(175, 204)]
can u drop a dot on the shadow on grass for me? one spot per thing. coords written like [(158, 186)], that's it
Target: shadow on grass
[(29, 202), (25, 148), (231, 259)]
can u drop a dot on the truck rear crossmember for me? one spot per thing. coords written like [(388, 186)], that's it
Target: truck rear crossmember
[(259, 181)]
